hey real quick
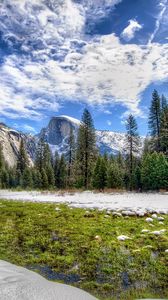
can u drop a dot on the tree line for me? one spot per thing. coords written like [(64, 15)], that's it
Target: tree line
[(82, 166)]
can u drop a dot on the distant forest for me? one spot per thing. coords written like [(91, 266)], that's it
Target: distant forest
[(84, 168)]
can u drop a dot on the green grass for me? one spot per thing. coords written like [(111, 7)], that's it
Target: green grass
[(36, 234)]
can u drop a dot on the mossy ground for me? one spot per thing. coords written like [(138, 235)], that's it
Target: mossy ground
[(64, 239)]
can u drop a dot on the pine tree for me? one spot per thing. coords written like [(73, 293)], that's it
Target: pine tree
[(164, 103), (2, 162), (154, 171), (37, 178), (22, 162), (62, 173), (115, 176), (86, 149), (26, 179), (39, 159), (56, 169), (154, 120), (164, 131), (44, 179), (132, 145), (100, 174), (71, 158)]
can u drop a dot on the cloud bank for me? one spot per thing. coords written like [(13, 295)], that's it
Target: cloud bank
[(52, 60)]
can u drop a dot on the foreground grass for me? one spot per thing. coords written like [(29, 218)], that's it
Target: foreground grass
[(75, 241)]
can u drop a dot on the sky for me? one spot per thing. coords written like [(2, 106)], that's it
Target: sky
[(58, 57)]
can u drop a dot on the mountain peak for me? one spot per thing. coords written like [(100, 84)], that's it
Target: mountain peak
[(70, 119)]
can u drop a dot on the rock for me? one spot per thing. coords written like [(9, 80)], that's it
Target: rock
[(161, 223), (166, 251), (158, 232), (145, 231), (160, 219), (154, 216), (122, 238), (117, 214), (128, 213), (149, 220), (17, 283), (57, 209), (98, 238)]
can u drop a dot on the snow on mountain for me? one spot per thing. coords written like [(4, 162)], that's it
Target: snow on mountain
[(56, 134), (72, 120), (58, 129)]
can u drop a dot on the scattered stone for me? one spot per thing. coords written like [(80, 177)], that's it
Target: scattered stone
[(154, 216), (106, 216), (128, 213), (151, 225), (122, 238), (98, 238), (166, 251), (145, 231), (160, 219), (149, 220), (57, 209), (158, 232), (140, 214), (117, 214), (163, 230), (161, 223)]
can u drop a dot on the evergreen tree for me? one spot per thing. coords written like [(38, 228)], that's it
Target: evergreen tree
[(154, 171), (50, 175), (86, 149), (2, 161), (62, 173), (154, 120), (132, 145), (164, 131), (164, 103), (39, 159), (56, 169), (22, 162), (114, 176), (100, 174), (71, 158), (37, 178), (44, 179), (26, 179)]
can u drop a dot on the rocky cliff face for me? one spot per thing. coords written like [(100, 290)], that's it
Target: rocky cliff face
[(10, 140), (57, 132)]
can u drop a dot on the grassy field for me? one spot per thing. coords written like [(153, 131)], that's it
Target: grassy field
[(81, 248)]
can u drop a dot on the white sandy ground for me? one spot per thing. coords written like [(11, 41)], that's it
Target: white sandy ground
[(137, 202), (17, 283)]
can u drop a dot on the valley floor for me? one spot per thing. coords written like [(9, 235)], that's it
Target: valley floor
[(140, 203)]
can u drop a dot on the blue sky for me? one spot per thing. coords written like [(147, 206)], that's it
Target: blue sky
[(60, 56)]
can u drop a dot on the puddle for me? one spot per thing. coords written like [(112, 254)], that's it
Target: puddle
[(49, 274)]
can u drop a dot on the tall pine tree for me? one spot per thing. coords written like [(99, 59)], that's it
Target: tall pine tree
[(132, 145), (154, 120), (86, 149), (22, 162)]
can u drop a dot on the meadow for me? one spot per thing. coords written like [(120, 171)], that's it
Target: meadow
[(109, 255)]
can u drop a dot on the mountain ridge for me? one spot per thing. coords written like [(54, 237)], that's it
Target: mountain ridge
[(56, 134)]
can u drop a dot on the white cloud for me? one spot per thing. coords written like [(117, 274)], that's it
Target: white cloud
[(163, 5), (105, 72), (129, 32)]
